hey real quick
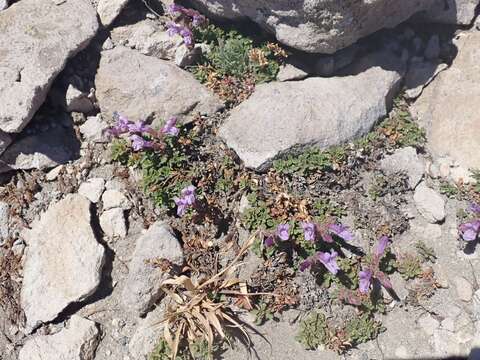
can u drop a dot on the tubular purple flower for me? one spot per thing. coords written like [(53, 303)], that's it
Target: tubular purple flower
[(175, 8), (328, 260), (187, 35), (169, 127), (181, 206), (470, 230), (173, 29), (139, 143), (188, 194), (304, 265), (365, 278), (269, 241), (341, 231), (282, 232), (139, 127), (475, 208), (381, 246), (198, 20), (308, 231)]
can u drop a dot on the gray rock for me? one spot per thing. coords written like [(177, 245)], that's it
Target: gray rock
[(108, 10), (185, 56), (92, 189), (140, 86), (461, 12), (113, 223), (428, 324), (5, 141), (147, 334), (432, 50), (34, 51), (63, 260), (464, 288), (452, 125), (419, 75), (4, 221), (115, 199), (142, 288), (77, 341), (405, 160), (316, 25), (78, 101), (94, 129), (40, 151), (290, 72), (149, 38), (285, 117), (429, 203), (3, 4)]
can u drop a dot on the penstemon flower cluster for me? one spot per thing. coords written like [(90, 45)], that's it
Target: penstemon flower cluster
[(313, 232), (141, 135), (184, 20), (470, 230), (371, 270), (186, 201)]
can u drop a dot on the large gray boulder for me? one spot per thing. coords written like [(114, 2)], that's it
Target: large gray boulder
[(140, 86), (63, 260), (460, 12), (36, 39), (448, 107), (284, 117), (320, 26)]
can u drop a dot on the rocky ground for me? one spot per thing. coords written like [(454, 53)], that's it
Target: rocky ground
[(363, 130)]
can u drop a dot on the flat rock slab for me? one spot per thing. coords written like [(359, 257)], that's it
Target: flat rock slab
[(77, 341), (36, 39), (284, 117), (63, 260), (41, 151), (139, 86), (142, 288), (318, 25), (448, 107)]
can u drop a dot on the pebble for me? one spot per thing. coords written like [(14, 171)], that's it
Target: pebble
[(464, 288), (92, 189), (428, 324), (115, 199), (429, 203)]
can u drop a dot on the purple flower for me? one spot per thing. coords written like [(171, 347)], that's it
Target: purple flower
[(175, 8), (139, 127), (328, 260), (365, 277), (121, 126), (470, 230), (304, 265), (282, 232), (169, 127), (173, 29), (341, 231), (475, 208), (308, 231), (381, 246), (182, 206), (269, 241), (188, 194), (187, 36), (139, 143), (198, 20)]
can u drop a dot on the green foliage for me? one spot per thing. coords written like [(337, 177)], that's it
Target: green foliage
[(313, 331), (257, 215), (377, 188), (310, 161), (199, 350), (409, 266), (262, 313), (425, 252), (120, 151), (325, 207), (448, 189), (232, 54), (362, 328), (162, 352)]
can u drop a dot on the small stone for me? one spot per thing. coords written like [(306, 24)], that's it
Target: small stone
[(432, 50), (441, 277), (113, 223), (142, 288), (428, 324), (405, 160), (429, 203), (460, 175), (115, 199), (108, 10), (108, 44), (77, 341), (92, 189), (3, 4), (94, 129), (290, 72), (448, 324), (63, 260), (464, 288), (53, 174), (78, 101), (184, 56)]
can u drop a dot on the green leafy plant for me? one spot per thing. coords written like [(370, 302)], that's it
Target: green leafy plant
[(257, 215), (313, 331), (448, 189), (262, 313), (362, 328), (409, 266), (427, 253)]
